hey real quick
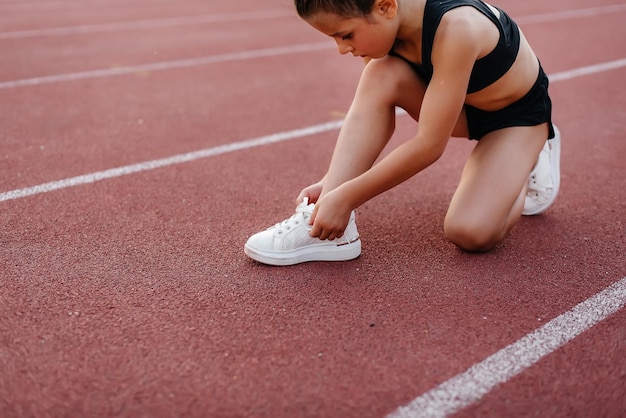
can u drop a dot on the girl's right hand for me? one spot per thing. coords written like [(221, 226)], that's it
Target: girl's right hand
[(312, 192)]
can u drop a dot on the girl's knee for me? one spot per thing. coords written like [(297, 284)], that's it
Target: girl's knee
[(392, 76), (472, 236), (388, 68)]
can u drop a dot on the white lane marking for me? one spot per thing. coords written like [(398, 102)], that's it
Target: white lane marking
[(37, 5), (244, 55), (569, 14), (167, 65), (468, 387), (149, 23), (164, 162), (236, 146), (269, 14), (590, 69)]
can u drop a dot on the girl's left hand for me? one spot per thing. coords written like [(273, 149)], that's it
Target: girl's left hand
[(330, 216)]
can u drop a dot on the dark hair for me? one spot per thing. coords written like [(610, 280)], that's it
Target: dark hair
[(346, 8)]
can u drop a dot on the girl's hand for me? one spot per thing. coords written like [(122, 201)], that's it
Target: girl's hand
[(330, 216), (312, 192)]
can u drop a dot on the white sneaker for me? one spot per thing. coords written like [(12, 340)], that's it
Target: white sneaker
[(545, 179), (289, 242)]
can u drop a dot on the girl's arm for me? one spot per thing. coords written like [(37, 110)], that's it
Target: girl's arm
[(454, 53)]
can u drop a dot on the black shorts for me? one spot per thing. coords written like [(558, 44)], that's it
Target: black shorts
[(533, 109)]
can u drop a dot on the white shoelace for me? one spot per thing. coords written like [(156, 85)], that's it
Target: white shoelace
[(303, 213), (540, 180)]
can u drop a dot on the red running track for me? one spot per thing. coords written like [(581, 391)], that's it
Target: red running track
[(130, 295)]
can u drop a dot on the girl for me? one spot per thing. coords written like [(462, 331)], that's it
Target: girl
[(460, 68)]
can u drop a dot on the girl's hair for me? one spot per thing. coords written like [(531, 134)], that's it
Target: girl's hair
[(345, 8)]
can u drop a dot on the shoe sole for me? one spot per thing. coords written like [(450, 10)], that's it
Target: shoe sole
[(555, 167), (324, 252)]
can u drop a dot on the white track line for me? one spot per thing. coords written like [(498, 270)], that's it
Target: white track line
[(268, 14), (237, 146), (591, 69), (468, 387), (149, 24), (165, 162), (243, 55), (168, 65), (570, 14), (38, 6)]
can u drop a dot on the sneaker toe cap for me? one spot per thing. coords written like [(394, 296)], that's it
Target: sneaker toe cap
[(263, 240)]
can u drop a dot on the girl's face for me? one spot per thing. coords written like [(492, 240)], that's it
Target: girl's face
[(372, 36)]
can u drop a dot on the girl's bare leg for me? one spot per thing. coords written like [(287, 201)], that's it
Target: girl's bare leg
[(385, 83), (490, 196)]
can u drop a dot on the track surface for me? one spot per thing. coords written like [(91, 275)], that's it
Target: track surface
[(126, 292)]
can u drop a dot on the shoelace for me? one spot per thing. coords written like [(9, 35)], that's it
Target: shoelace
[(303, 213), (533, 186), (534, 183)]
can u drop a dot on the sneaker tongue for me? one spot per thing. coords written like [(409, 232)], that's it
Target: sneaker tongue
[(305, 206)]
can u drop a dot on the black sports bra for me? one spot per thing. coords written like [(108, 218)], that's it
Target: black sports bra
[(487, 69)]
